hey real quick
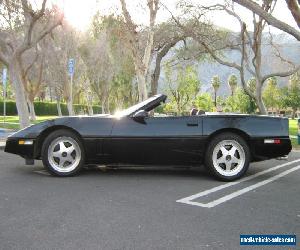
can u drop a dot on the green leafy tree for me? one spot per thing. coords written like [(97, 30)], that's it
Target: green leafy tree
[(239, 102), (204, 102), (252, 88), (271, 94), (122, 93), (283, 98), (183, 86), (109, 64), (291, 94), (216, 83), (252, 85), (232, 82)]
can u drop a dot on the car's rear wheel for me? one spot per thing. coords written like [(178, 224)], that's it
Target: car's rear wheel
[(62, 153), (227, 157)]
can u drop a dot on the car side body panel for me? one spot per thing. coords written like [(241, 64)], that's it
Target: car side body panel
[(157, 140)]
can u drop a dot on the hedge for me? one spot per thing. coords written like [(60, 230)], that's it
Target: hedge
[(47, 108)]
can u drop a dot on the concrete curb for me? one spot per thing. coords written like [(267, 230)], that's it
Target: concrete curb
[(4, 133), (2, 145)]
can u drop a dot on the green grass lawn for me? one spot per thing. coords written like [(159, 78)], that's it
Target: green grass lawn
[(12, 121), (293, 125)]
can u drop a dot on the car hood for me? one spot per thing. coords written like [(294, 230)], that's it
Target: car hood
[(33, 131)]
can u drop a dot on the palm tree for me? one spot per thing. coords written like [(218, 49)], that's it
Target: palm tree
[(251, 84), (232, 82), (215, 82)]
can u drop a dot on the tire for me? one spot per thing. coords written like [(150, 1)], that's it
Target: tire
[(227, 157), (63, 153)]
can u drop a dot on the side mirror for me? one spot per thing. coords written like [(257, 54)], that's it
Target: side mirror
[(140, 115)]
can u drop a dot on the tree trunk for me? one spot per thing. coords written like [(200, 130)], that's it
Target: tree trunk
[(15, 76), (89, 104), (259, 102), (160, 55), (70, 106), (90, 110), (106, 98), (58, 107), (294, 113), (142, 87), (107, 106), (103, 106), (154, 82), (50, 94), (215, 98), (155, 75), (31, 110)]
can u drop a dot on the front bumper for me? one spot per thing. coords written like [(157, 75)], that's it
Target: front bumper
[(26, 151)]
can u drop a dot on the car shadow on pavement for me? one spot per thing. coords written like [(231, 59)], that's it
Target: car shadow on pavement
[(127, 171), (150, 171)]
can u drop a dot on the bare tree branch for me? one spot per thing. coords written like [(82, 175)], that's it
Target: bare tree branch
[(3, 58), (278, 53), (26, 70), (29, 43), (293, 5), (160, 55), (270, 19), (281, 74)]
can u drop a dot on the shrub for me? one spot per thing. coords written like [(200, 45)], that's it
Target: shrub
[(11, 108), (47, 108)]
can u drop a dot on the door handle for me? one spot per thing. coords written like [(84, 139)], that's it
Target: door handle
[(192, 124)]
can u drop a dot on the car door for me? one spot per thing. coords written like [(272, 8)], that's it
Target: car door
[(155, 140)]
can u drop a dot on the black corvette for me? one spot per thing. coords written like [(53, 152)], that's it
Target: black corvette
[(225, 143)]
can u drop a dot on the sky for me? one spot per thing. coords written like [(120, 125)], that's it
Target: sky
[(79, 12)]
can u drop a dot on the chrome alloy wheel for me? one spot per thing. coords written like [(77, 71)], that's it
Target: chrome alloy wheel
[(64, 154), (228, 157)]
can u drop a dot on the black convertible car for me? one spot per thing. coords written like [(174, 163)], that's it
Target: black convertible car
[(225, 143)]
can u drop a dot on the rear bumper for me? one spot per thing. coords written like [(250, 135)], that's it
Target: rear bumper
[(26, 151), (262, 151)]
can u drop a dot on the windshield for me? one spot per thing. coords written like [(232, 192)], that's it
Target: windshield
[(135, 108)]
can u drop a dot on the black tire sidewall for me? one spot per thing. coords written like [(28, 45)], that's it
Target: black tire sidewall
[(45, 147), (209, 152)]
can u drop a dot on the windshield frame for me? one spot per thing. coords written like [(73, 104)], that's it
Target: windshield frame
[(147, 105)]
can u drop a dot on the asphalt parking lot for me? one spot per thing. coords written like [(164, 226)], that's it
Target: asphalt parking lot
[(145, 208)]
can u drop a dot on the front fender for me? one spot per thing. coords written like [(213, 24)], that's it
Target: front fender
[(33, 131)]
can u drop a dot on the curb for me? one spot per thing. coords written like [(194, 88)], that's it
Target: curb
[(2, 145)]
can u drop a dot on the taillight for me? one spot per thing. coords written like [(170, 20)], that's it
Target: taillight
[(272, 141), (277, 141)]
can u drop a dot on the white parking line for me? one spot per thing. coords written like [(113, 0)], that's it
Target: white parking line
[(188, 200)]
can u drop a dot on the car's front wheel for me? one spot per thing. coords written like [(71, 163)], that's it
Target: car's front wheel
[(62, 153), (227, 156)]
